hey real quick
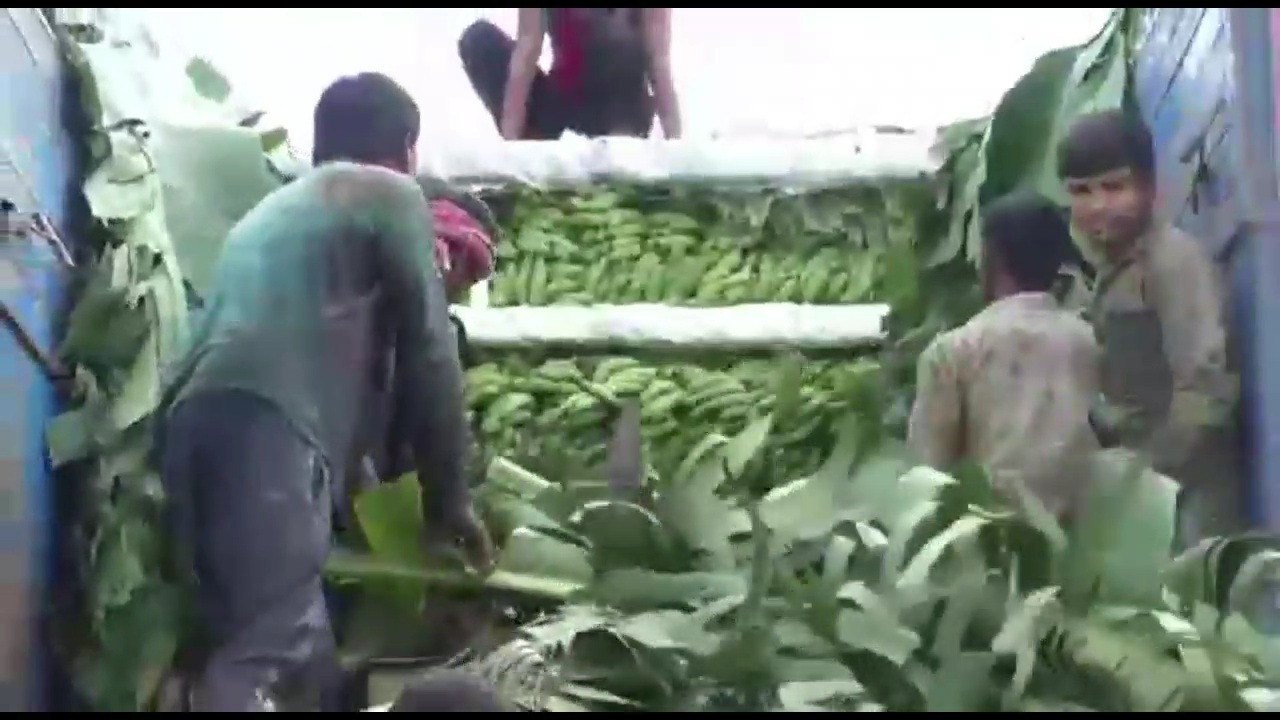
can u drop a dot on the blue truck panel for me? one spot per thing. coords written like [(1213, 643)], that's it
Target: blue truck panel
[(1253, 37), (1185, 84), (1195, 67), (36, 166)]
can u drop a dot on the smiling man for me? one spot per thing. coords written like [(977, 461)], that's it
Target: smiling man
[(1157, 310)]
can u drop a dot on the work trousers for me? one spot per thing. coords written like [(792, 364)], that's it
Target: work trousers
[(486, 57), (250, 504)]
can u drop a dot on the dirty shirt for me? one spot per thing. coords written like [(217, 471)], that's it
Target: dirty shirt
[(320, 288), (1170, 274), (1011, 391)]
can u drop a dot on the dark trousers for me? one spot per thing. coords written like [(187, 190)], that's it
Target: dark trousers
[(486, 57), (250, 506)]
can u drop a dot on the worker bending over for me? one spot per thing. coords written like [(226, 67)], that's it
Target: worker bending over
[(611, 71), (316, 288), (1158, 313), (1011, 389)]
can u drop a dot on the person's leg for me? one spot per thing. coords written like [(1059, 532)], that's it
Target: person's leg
[(251, 500), (486, 58)]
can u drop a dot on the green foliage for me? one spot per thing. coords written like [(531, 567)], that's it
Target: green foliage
[(161, 196), (870, 584)]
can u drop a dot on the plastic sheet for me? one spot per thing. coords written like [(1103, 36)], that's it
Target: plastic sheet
[(653, 326), (801, 163), (155, 88)]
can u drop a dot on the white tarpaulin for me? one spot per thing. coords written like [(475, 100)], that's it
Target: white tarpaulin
[(849, 158), (652, 326)]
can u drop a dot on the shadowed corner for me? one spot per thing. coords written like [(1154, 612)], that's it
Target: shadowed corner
[(624, 461), (450, 690)]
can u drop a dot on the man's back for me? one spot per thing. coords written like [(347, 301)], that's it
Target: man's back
[(292, 317), (1021, 375)]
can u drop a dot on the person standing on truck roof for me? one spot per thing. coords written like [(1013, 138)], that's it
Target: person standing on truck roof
[(315, 288), (1011, 389), (611, 72), (1158, 312)]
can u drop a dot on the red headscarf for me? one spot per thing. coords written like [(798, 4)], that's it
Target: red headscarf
[(463, 250)]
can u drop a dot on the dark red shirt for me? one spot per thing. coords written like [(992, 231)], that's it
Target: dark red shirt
[(565, 30)]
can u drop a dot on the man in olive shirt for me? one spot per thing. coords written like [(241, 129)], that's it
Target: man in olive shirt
[(320, 288), (1011, 389), (1158, 312)]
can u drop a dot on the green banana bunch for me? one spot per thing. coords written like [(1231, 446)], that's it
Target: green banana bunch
[(681, 246), (611, 246), (561, 408)]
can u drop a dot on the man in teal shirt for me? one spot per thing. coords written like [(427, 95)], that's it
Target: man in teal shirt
[(320, 289)]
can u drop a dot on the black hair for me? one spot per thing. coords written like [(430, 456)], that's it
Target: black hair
[(449, 691), (366, 118), (1030, 237), (1103, 141)]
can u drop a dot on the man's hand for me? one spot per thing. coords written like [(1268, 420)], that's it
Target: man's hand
[(1107, 422), (462, 530)]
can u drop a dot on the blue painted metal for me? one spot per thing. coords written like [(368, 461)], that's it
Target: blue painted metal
[(1203, 80), (1253, 33), (36, 165), (1185, 86)]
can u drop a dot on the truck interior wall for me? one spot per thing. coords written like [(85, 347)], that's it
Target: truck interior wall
[(1187, 79), (36, 170), (1254, 32)]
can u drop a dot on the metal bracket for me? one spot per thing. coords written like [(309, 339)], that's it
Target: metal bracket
[(15, 225), (22, 226)]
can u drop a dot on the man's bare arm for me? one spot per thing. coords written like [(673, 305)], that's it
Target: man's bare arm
[(428, 377), (657, 36), (520, 74)]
